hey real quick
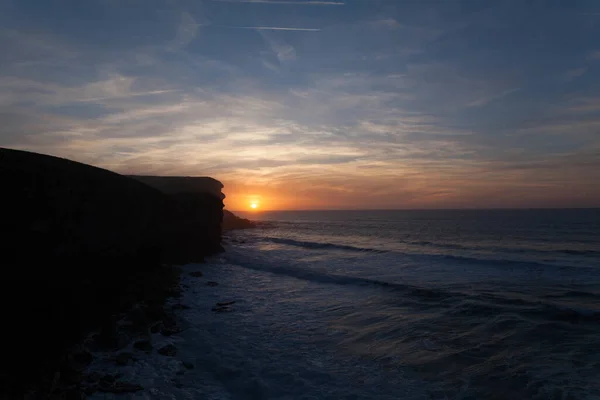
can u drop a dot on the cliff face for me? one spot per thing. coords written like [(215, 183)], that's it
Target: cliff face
[(193, 219), (232, 221), (75, 240)]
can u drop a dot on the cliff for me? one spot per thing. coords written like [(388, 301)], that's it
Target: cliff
[(77, 241), (232, 221), (192, 222)]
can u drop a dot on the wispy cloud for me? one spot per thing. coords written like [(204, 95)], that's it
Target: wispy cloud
[(270, 28), (376, 105), (305, 3), (186, 32), (488, 99), (575, 73), (594, 55)]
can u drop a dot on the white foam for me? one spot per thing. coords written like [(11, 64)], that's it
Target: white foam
[(272, 345)]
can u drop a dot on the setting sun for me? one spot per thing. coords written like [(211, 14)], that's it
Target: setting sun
[(254, 206)]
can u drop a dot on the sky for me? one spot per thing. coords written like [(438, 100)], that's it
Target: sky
[(341, 104)]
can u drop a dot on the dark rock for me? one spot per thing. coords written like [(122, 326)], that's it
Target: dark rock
[(108, 379), (155, 328), (196, 274), (124, 358), (90, 389), (67, 212), (94, 376), (188, 365), (71, 376), (225, 304), (119, 387), (168, 350), (177, 383), (174, 292), (82, 357), (143, 345), (221, 309), (169, 330), (232, 221), (210, 283)]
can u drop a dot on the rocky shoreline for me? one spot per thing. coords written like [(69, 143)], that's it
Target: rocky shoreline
[(93, 365), (89, 250)]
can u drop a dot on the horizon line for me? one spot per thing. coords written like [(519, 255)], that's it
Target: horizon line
[(421, 209)]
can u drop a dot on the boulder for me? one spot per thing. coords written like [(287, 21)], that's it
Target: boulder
[(124, 358), (143, 345), (168, 350)]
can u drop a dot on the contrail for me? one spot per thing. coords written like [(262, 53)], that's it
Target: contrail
[(308, 2), (270, 28)]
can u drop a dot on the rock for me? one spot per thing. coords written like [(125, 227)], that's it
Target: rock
[(94, 376), (90, 389), (177, 383), (228, 303), (196, 274), (210, 283), (180, 307), (143, 345), (120, 387), (170, 326), (168, 350), (107, 379), (232, 221), (124, 358), (188, 365), (82, 357), (155, 328), (170, 330)]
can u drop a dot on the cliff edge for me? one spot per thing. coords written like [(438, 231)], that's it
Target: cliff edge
[(77, 242)]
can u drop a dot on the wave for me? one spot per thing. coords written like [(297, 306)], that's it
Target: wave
[(459, 303), (320, 245), (490, 262), (318, 276), (434, 244)]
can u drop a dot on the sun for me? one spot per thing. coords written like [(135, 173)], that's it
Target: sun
[(254, 206)]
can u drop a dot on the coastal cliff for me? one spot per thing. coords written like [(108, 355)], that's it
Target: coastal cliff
[(79, 243), (232, 221)]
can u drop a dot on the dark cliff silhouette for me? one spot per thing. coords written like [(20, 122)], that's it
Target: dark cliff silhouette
[(81, 243), (232, 221)]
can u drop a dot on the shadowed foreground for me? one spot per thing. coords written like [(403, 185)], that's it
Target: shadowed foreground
[(82, 243)]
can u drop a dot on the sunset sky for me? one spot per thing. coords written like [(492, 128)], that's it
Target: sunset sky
[(347, 104)]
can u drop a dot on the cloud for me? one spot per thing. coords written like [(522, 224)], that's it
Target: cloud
[(284, 52), (594, 55), (16, 90), (388, 23), (488, 99), (271, 28), (583, 105), (575, 73), (186, 32), (291, 2), (384, 107)]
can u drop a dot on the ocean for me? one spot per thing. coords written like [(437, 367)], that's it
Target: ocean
[(457, 304), (388, 305)]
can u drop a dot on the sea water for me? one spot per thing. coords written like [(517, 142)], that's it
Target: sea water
[(392, 305), (489, 304)]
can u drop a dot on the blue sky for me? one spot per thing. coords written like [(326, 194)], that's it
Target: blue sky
[(316, 104)]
